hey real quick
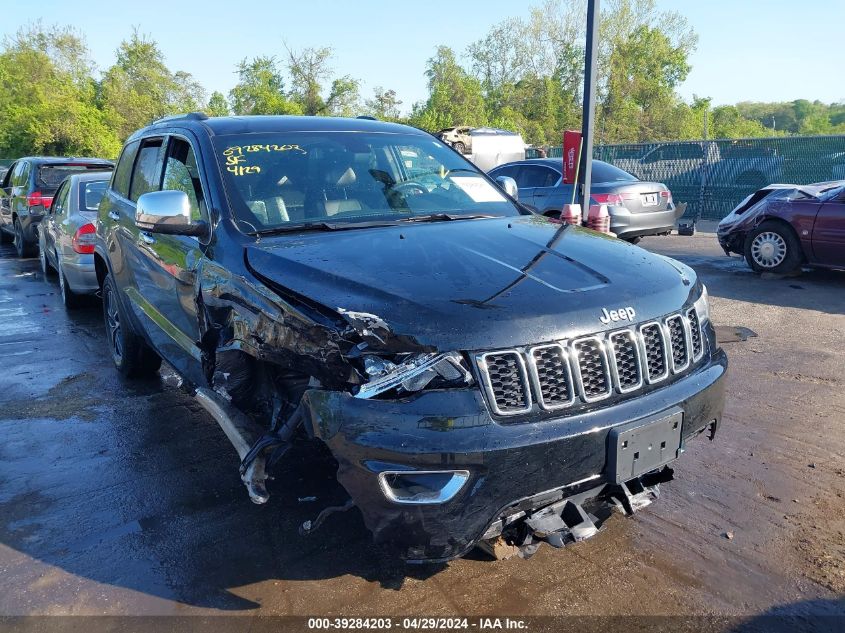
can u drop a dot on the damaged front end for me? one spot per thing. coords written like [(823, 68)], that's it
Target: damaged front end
[(432, 467)]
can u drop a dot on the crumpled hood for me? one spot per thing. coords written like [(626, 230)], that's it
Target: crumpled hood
[(473, 284)]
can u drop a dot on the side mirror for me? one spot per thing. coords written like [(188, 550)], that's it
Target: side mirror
[(508, 185), (167, 212)]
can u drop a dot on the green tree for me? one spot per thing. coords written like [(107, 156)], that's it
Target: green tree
[(48, 96), (217, 105), (455, 97), (643, 58), (140, 88), (309, 70), (261, 89), (384, 105)]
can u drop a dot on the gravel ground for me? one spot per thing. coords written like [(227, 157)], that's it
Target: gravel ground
[(120, 498)]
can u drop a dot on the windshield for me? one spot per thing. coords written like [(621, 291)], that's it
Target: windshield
[(283, 179), (604, 172), (51, 176), (90, 194)]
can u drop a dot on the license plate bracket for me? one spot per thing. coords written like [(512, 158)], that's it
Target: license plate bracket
[(644, 445)]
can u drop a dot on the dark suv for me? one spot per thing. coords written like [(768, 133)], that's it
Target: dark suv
[(27, 191), (478, 372)]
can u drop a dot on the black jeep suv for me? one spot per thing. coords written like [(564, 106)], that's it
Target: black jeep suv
[(26, 193), (477, 371)]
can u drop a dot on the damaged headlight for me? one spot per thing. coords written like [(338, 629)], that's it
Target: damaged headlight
[(702, 305), (413, 373)]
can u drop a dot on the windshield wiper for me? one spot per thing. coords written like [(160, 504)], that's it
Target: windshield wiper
[(320, 226), (442, 217)]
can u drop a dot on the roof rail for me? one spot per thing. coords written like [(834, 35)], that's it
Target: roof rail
[(190, 116)]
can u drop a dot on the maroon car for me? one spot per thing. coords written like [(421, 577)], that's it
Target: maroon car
[(781, 228)]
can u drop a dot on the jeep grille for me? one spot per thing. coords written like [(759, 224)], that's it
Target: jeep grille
[(592, 368)]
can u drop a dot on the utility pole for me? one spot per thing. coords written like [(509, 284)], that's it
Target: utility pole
[(585, 170)]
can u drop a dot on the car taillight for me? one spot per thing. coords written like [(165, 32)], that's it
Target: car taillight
[(607, 198), (35, 198), (668, 195), (83, 239)]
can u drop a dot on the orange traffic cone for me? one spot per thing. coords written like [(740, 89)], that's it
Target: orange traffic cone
[(571, 214), (598, 218)]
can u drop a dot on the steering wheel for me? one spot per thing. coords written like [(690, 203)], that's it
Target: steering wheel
[(409, 187)]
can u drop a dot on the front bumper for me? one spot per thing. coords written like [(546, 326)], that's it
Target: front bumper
[(453, 430), (626, 224)]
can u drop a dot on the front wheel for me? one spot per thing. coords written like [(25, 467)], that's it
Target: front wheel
[(131, 355), (774, 248), (459, 147)]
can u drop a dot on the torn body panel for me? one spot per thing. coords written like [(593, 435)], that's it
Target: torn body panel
[(451, 430)]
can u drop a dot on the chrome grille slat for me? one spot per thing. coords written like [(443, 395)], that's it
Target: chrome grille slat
[(551, 376), (676, 327), (506, 381), (653, 342), (592, 368), (695, 334), (625, 355)]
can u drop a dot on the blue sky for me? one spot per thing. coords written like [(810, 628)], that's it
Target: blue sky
[(756, 50)]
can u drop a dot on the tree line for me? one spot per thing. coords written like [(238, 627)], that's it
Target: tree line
[(525, 74)]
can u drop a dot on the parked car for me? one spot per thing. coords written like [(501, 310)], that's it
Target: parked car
[(474, 369), (781, 228), (636, 208), (719, 164), (458, 138), (65, 235), (26, 193)]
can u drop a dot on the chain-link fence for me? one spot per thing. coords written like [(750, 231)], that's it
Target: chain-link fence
[(712, 177)]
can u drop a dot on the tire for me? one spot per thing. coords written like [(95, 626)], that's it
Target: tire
[(46, 267), (21, 247), (773, 247), (131, 355), (633, 240), (70, 299), (459, 147)]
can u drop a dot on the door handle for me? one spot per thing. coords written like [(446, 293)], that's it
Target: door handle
[(114, 215), (148, 239)]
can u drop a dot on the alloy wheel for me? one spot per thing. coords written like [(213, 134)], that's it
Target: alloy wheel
[(19, 244), (42, 257), (768, 249), (62, 287), (113, 326)]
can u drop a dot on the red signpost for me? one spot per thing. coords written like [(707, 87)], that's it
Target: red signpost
[(571, 155)]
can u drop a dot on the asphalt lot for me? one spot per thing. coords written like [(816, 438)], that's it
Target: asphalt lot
[(122, 498)]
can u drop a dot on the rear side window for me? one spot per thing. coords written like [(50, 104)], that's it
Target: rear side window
[(123, 173), (51, 176), (536, 176), (20, 177), (146, 176), (90, 194), (604, 172)]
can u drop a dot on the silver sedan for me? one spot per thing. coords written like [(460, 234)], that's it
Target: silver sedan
[(66, 234)]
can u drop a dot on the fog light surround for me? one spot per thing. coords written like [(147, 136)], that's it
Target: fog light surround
[(422, 487)]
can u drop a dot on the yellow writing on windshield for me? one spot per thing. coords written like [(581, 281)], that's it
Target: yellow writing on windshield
[(240, 150), (237, 155)]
